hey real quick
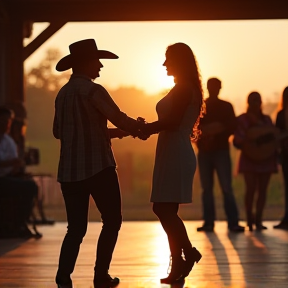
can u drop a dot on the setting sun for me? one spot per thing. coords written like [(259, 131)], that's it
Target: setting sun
[(165, 82)]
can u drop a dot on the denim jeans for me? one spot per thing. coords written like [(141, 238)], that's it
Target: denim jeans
[(220, 162), (104, 189), (285, 177)]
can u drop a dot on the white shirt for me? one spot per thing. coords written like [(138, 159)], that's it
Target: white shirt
[(8, 151)]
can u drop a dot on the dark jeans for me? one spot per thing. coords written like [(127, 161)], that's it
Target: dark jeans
[(104, 189), (220, 162), (285, 177), (25, 190)]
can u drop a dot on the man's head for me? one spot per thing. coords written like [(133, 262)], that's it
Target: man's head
[(213, 86), (84, 58), (6, 117)]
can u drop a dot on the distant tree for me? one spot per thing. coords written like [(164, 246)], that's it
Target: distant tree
[(44, 76)]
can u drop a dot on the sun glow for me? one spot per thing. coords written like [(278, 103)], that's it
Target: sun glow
[(166, 82)]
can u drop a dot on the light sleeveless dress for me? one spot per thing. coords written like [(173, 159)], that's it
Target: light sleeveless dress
[(175, 161)]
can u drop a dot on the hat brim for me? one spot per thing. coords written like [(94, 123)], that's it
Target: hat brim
[(67, 62)]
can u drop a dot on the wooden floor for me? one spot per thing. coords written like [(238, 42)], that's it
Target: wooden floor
[(141, 257)]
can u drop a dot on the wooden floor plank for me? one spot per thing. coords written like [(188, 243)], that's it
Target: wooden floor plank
[(141, 257)]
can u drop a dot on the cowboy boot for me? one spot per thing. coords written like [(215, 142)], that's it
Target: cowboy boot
[(175, 274), (192, 255)]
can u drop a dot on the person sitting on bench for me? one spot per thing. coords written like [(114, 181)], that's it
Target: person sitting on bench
[(23, 191)]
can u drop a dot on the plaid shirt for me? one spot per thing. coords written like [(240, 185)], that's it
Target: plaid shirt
[(80, 122)]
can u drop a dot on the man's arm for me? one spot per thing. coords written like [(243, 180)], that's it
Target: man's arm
[(55, 127), (15, 163), (117, 133), (231, 121), (55, 123), (102, 101)]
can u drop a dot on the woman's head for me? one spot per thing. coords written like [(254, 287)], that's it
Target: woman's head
[(254, 102), (6, 116), (181, 63), (285, 98)]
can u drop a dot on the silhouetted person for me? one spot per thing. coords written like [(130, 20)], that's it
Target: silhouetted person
[(256, 171), (17, 133), (175, 162), (282, 124), (217, 126), (24, 191), (87, 165)]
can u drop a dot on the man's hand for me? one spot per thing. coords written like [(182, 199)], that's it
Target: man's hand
[(140, 134)]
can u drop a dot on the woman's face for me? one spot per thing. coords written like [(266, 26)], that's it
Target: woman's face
[(170, 65)]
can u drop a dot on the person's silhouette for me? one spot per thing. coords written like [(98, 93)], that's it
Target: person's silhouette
[(217, 126), (175, 162), (87, 165)]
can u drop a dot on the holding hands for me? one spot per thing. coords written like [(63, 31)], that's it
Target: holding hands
[(142, 135), (141, 132)]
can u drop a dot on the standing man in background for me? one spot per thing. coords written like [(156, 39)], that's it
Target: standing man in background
[(217, 126)]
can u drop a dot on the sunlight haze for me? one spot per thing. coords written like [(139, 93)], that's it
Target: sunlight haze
[(246, 55)]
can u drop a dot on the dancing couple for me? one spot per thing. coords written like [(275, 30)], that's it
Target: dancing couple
[(87, 165)]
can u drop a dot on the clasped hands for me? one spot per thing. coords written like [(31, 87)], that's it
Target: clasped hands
[(140, 133)]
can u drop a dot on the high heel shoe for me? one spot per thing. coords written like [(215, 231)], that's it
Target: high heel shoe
[(191, 257), (177, 267)]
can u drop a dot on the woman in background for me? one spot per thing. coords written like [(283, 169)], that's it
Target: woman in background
[(256, 172), (282, 124), (175, 163)]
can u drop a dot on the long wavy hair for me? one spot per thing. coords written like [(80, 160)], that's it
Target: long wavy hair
[(188, 71), (285, 98)]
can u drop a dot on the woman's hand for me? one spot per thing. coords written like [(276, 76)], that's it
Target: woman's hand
[(142, 123)]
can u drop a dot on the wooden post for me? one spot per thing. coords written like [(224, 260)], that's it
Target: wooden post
[(4, 24), (16, 98)]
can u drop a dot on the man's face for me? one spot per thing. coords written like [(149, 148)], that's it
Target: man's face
[(213, 89), (5, 124), (93, 68)]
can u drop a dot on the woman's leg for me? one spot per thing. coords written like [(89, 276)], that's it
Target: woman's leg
[(173, 226), (251, 186), (263, 181), (77, 202), (178, 241)]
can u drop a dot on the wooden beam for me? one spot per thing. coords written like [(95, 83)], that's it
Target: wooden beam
[(41, 38), (149, 10)]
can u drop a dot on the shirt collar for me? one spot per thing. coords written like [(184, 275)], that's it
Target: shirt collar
[(73, 76)]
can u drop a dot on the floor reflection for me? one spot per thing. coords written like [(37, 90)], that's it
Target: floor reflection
[(141, 258)]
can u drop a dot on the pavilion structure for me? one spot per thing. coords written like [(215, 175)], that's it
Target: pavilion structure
[(17, 18)]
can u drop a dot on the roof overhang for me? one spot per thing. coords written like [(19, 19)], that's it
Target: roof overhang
[(148, 10)]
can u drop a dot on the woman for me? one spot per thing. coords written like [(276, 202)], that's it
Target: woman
[(282, 124), (175, 163), (256, 172)]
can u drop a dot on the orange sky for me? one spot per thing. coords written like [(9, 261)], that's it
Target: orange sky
[(245, 55)]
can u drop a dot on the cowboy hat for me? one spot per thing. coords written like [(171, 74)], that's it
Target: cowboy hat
[(81, 51)]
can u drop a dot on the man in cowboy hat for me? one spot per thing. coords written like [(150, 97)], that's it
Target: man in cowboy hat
[(87, 165)]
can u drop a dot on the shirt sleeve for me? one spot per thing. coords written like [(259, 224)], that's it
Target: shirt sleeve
[(102, 101), (231, 122), (56, 125)]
